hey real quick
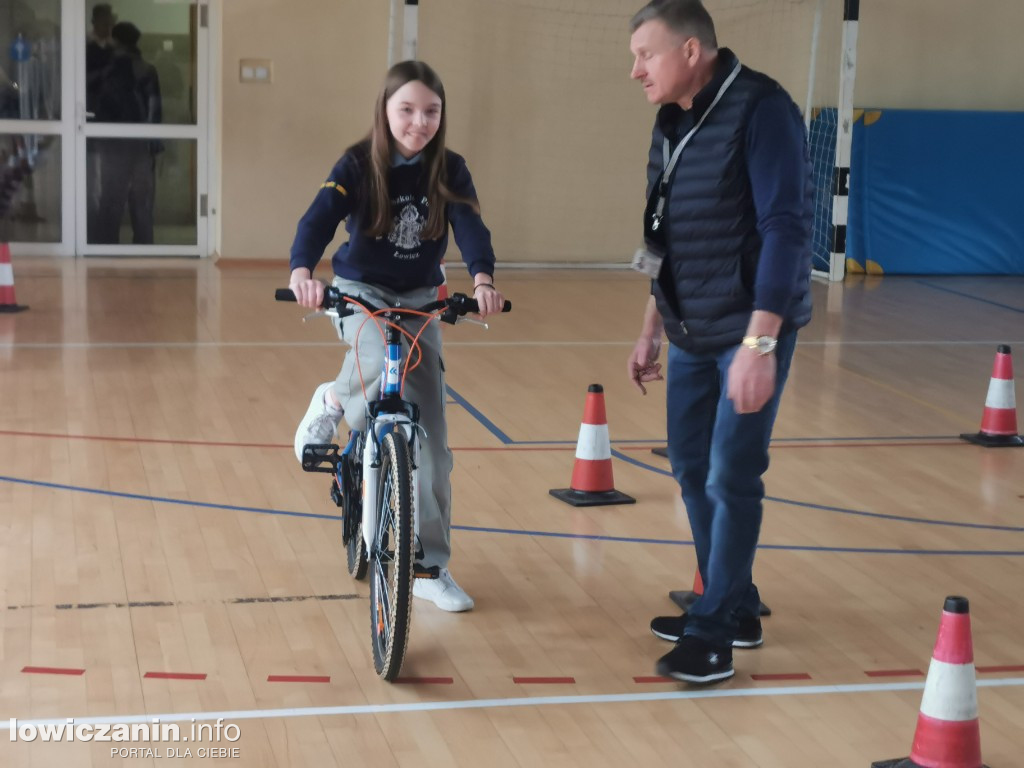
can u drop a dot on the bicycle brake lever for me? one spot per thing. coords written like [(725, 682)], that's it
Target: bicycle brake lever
[(474, 322), (321, 313)]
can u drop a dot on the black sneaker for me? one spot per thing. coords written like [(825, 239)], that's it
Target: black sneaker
[(694, 660), (668, 627), (749, 633), (671, 628)]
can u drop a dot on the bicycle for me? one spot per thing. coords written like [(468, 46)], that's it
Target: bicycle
[(375, 481)]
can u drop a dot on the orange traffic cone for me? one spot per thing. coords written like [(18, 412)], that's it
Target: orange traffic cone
[(442, 289), (999, 419), (591, 483), (684, 598), (7, 301), (947, 734)]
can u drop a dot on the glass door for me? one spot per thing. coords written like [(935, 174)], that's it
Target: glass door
[(141, 120), (36, 146)]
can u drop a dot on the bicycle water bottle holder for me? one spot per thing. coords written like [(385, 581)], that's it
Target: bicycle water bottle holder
[(320, 457)]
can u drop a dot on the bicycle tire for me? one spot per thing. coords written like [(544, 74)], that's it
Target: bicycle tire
[(352, 524), (391, 559)]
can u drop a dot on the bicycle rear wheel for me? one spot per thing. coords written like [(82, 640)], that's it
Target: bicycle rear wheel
[(352, 515), (391, 558)]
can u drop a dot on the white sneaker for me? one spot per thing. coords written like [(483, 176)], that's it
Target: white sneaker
[(443, 592), (320, 422)]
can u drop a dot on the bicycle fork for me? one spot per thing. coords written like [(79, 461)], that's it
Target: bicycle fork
[(379, 423)]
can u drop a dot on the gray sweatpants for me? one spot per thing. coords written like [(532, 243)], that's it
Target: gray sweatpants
[(424, 386)]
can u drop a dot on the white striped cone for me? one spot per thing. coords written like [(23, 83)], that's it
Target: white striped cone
[(593, 468), (1000, 416), (999, 419), (592, 482), (948, 734), (7, 301)]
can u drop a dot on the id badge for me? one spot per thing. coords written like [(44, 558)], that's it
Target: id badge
[(648, 262)]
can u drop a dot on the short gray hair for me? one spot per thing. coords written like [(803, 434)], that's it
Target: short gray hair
[(685, 17)]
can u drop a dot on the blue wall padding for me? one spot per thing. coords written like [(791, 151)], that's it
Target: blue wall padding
[(938, 193)]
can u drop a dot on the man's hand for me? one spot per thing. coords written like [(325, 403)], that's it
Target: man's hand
[(751, 380), (642, 366)]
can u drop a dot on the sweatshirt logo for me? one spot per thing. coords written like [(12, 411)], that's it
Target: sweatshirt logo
[(407, 227)]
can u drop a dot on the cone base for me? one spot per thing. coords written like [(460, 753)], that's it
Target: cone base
[(904, 762), (11, 308), (684, 598), (591, 498), (663, 452), (994, 441)]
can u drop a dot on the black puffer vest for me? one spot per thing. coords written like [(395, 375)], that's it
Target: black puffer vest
[(705, 291)]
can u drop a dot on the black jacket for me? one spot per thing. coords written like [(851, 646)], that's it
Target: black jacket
[(712, 231)]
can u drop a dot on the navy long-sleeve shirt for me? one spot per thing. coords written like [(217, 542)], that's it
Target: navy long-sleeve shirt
[(776, 164), (401, 260)]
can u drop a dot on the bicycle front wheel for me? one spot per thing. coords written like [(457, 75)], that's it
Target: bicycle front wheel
[(391, 558)]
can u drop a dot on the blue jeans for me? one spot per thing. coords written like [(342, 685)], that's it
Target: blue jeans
[(718, 457)]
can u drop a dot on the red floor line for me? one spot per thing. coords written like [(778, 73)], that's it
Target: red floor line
[(776, 446), (52, 671), (653, 679), (1010, 668), (298, 678), (424, 680), (175, 675), (782, 676), (893, 672), (544, 680), (161, 441)]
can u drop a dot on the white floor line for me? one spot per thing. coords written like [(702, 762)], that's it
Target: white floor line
[(280, 344), (526, 701)]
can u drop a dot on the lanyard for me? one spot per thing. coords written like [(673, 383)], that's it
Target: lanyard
[(669, 163)]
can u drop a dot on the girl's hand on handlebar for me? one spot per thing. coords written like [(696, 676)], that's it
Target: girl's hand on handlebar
[(308, 292), (489, 299)]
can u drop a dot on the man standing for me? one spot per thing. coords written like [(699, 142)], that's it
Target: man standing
[(727, 232)]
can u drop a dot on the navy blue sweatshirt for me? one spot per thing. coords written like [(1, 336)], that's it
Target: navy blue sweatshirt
[(401, 260)]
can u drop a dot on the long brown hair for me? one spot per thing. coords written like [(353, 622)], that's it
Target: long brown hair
[(382, 147)]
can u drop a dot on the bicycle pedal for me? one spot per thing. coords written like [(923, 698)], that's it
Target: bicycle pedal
[(320, 457), (419, 572)]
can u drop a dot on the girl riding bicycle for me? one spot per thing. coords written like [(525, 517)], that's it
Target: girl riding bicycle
[(398, 191)]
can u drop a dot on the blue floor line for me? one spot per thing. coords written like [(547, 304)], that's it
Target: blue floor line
[(512, 531), (487, 423), (969, 296), (163, 499), (781, 547), (845, 511)]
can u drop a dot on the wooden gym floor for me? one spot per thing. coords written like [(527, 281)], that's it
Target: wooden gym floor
[(162, 552)]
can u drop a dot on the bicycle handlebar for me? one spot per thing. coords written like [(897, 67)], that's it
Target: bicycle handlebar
[(455, 306)]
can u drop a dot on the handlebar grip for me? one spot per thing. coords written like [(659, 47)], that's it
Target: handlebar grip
[(471, 305), (284, 294)]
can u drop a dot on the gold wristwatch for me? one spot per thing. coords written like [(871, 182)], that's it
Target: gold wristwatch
[(763, 345)]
